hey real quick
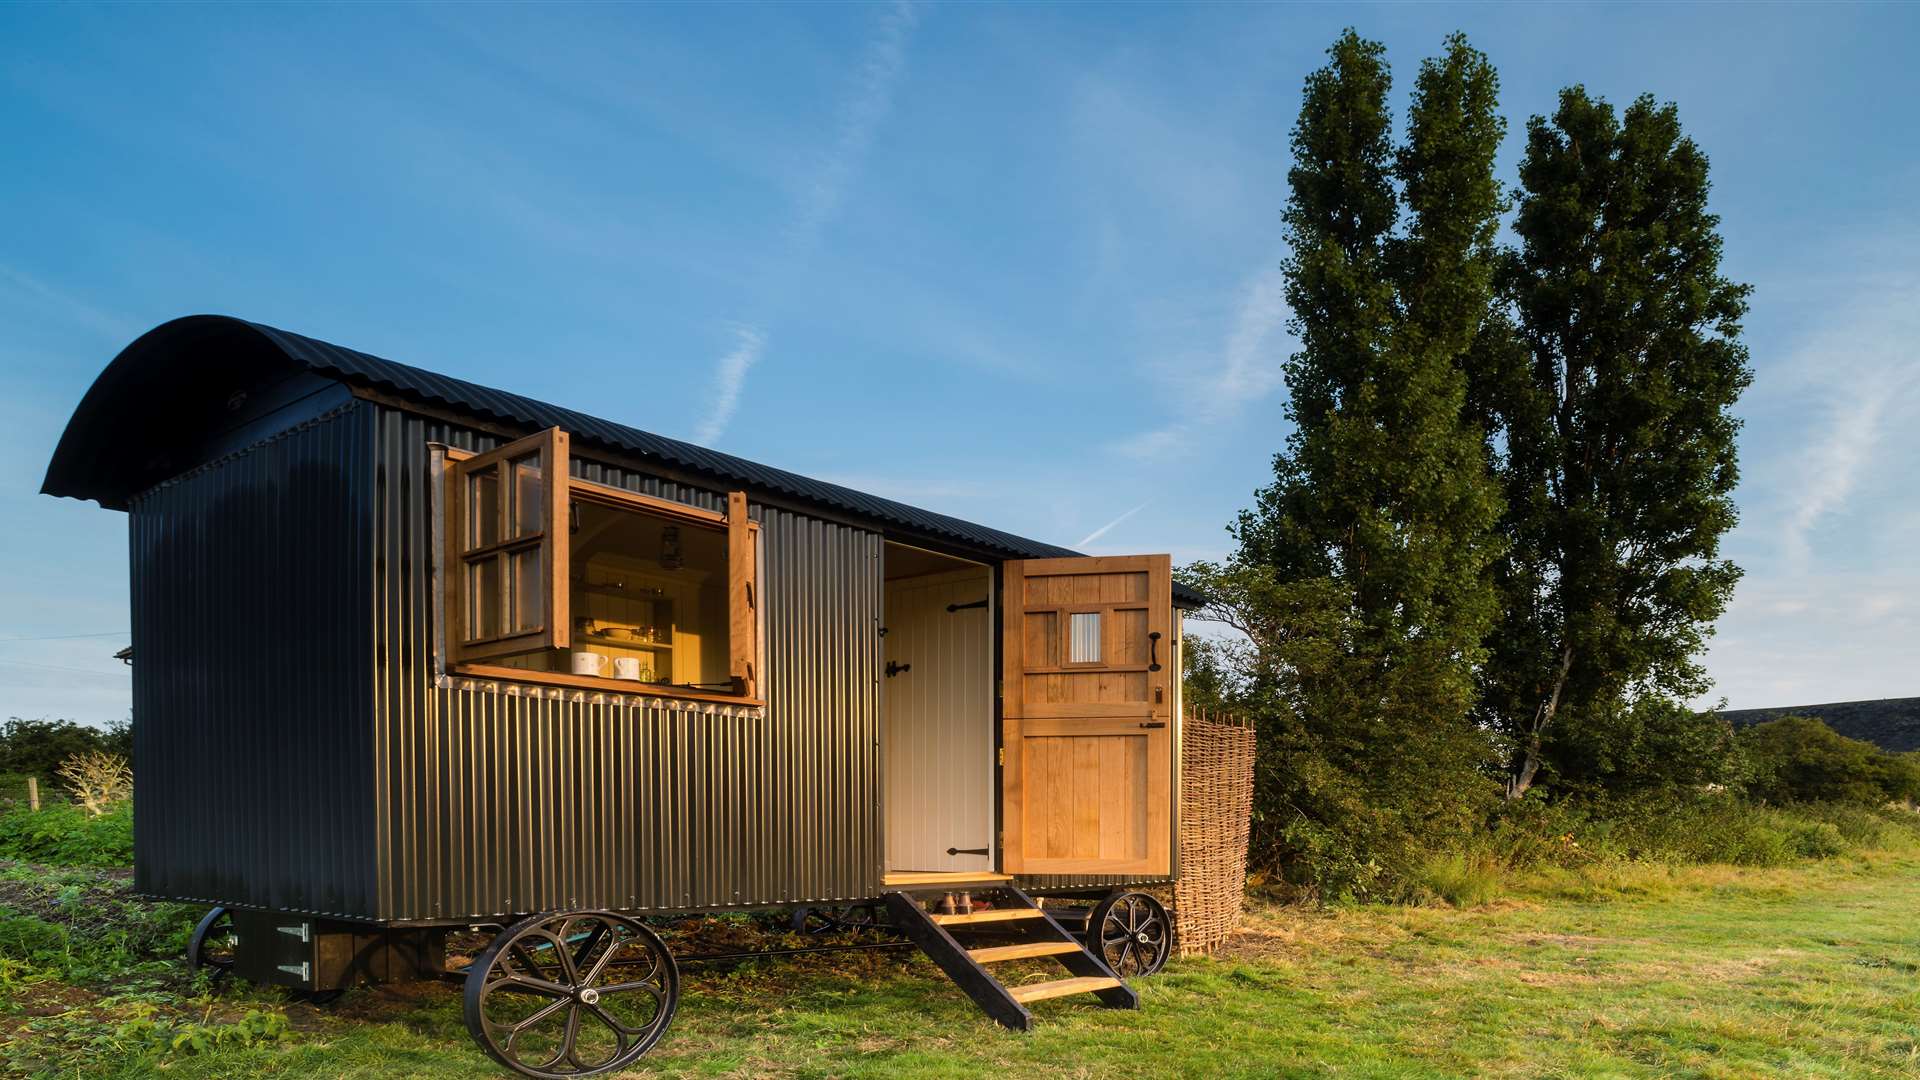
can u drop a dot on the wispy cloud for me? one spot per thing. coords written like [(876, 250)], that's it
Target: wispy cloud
[(1108, 527), (821, 194), (860, 117), (729, 380), (31, 294), (1861, 377), (1245, 371)]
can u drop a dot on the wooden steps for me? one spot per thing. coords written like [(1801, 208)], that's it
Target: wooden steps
[(1038, 935), (996, 953), (1062, 987)]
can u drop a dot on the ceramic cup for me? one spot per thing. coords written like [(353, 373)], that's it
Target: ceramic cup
[(626, 667), (589, 663)]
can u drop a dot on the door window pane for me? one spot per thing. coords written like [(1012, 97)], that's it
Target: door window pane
[(1083, 643), (483, 508)]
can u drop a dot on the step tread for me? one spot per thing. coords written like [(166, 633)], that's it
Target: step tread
[(1085, 984), (994, 953), (990, 915), (894, 879)]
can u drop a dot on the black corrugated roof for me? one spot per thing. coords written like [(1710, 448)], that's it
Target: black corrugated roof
[(466, 398)]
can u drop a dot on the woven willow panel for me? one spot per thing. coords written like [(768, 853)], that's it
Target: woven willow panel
[(1216, 806)]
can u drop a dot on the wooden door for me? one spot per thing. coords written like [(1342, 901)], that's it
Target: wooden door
[(1087, 703)]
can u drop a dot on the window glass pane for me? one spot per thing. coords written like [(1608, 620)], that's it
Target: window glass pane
[(528, 503), (483, 508), (649, 595), (483, 599), (529, 591), (1083, 643)]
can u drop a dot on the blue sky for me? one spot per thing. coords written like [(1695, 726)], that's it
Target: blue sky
[(1018, 264)]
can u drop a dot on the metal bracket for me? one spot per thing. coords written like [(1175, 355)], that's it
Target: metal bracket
[(302, 932), (303, 969), (951, 608)]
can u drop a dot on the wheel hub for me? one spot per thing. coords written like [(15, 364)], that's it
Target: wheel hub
[(589, 996)]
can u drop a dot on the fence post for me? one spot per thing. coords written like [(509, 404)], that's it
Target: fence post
[(33, 793)]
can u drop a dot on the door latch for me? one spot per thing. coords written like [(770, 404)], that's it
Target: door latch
[(894, 667)]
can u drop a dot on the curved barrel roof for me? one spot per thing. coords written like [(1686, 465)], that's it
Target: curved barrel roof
[(176, 375)]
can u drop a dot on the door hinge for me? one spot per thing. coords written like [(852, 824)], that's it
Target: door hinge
[(1003, 757)]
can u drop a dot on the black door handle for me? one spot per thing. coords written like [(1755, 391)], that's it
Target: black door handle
[(894, 667), (1153, 656)]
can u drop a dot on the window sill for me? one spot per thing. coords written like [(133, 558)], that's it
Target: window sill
[(600, 685)]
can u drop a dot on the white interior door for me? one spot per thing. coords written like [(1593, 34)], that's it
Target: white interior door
[(938, 722)]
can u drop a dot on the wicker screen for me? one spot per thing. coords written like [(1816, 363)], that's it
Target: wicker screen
[(1216, 806)]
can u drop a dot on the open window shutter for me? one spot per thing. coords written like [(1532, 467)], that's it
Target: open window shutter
[(507, 549), (743, 594)]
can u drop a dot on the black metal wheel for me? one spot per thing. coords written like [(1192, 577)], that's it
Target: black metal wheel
[(833, 920), (212, 945), (1132, 933), (571, 994)]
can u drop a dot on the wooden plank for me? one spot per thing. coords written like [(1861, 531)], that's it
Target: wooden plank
[(896, 879), (995, 953), (496, 673), (1084, 984), (742, 596), (991, 915)]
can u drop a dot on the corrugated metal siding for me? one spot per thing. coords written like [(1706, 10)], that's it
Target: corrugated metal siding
[(249, 605), (505, 800)]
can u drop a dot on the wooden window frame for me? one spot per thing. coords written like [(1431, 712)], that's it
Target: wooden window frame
[(743, 614), (551, 447), (1061, 662)]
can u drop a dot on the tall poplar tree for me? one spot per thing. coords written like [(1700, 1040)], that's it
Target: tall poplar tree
[(1376, 537), (1608, 397)]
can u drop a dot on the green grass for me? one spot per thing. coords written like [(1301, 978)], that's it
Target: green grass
[(1610, 970)]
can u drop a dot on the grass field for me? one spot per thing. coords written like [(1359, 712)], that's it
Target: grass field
[(1617, 971)]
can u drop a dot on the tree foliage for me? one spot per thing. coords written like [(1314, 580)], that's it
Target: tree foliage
[(1606, 380), (1362, 573)]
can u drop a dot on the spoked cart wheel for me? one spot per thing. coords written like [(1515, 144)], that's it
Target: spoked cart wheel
[(571, 994), (1131, 932), (212, 945)]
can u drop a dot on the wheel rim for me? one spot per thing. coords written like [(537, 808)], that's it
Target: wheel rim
[(213, 944), (1134, 934), (571, 995)]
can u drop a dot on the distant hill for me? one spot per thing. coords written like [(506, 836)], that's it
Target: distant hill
[(1889, 723)]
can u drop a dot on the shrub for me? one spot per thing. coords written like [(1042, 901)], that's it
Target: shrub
[(1800, 759), (98, 779), (68, 836)]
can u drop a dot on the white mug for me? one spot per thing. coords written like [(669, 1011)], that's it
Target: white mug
[(589, 663), (626, 667)]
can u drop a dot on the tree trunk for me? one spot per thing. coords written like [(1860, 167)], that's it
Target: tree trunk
[(1527, 761)]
